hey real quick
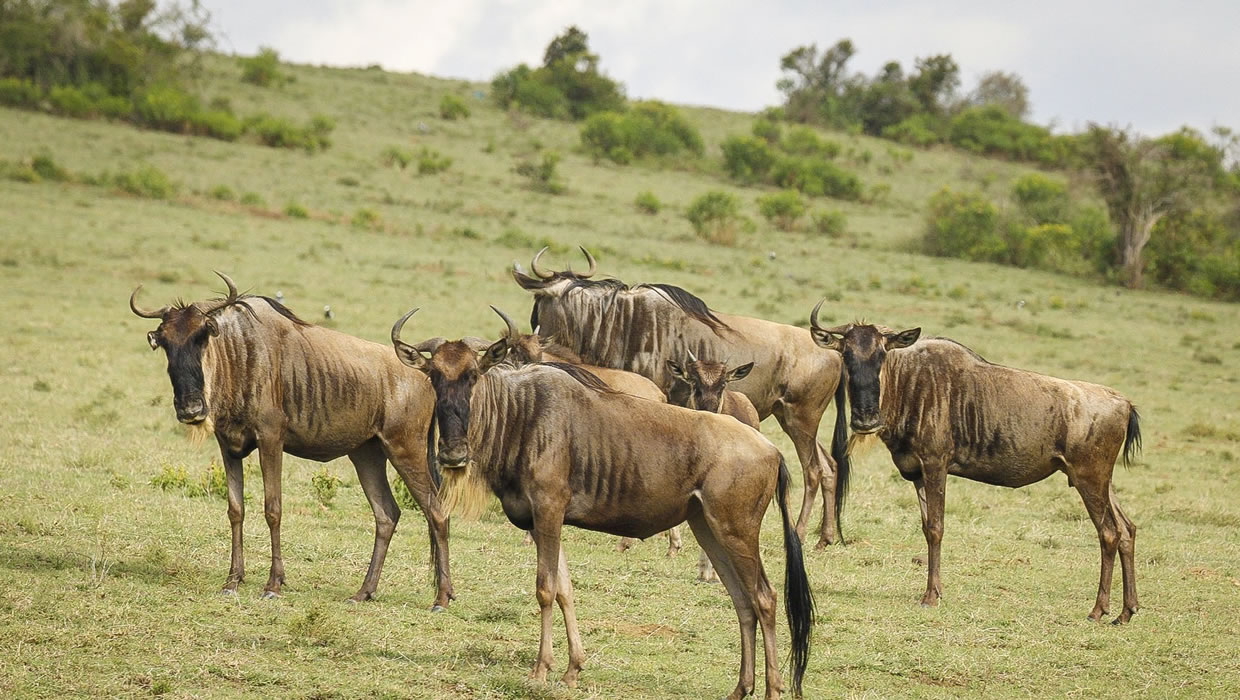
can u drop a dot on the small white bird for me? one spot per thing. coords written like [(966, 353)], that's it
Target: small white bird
[(327, 312), (279, 296), (1020, 304), (770, 255)]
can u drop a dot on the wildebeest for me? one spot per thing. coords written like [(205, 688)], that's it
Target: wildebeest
[(639, 328), (248, 370), (941, 409), (526, 348), (557, 447)]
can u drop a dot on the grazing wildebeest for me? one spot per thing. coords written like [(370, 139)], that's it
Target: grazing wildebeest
[(639, 328), (702, 386), (526, 348), (941, 409), (557, 447), (248, 370)]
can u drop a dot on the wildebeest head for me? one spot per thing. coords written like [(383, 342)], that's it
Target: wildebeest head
[(706, 381), (454, 367), (864, 348), (547, 283), (184, 331)]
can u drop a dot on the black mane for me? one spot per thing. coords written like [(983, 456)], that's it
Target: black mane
[(280, 309), (686, 301), (585, 377)]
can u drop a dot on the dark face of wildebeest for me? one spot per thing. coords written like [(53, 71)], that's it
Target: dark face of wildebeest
[(864, 348), (706, 381), (183, 333), (453, 367)]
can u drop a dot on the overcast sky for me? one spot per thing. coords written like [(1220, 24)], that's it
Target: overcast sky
[(1151, 65)]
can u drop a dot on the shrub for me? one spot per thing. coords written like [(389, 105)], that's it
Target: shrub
[(367, 219), (294, 210), (15, 92), (262, 69), (224, 193), (1042, 199), (166, 108), (542, 175), (783, 209), (69, 101), (963, 225), (804, 141), (830, 222), (324, 485), (217, 124), (281, 133), (431, 162), (48, 169), (747, 158), (715, 216), (452, 107), (648, 129), (647, 203), (991, 130), (918, 130), (404, 498), (816, 177), (396, 156), (253, 199), (146, 181), (767, 129)]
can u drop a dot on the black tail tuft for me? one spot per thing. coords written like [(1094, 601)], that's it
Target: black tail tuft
[(1132, 441), (839, 452), (798, 598)]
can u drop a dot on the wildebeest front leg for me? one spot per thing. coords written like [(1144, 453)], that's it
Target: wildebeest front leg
[(546, 584), (235, 474), (412, 467), (930, 497), (674, 541), (271, 459), (370, 463), (1127, 558), (817, 469), (564, 597)]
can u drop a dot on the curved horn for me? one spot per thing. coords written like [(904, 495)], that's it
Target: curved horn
[(430, 345), (477, 344), (813, 316), (692, 357), (133, 306), (513, 333), (537, 270), (227, 301), (399, 325), (593, 263)]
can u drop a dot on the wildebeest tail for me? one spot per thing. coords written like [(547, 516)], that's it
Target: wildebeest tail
[(432, 463), (839, 452), (1132, 440), (798, 598)]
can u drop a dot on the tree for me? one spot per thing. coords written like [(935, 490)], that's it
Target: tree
[(935, 82), (572, 45), (816, 88), (1004, 90), (1143, 180)]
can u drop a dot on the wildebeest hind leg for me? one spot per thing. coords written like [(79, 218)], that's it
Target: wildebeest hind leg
[(1127, 557), (410, 464), (1094, 495), (674, 541), (370, 463), (546, 585), (745, 614), (271, 460), (815, 469), (235, 475)]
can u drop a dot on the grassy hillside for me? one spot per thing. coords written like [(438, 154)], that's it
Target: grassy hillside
[(112, 581)]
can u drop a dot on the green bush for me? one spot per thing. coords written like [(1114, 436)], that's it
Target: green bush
[(567, 86), (253, 199), (367, 219), (15, 92), (816, 178), (281, 133), (963, 225), (324, 485), (1041, 198), (69, 101), (715, 216), (648, 129), (432, 162), (804, 141), (747, 158), (166, 108), (48, 169), (262, 69), (768, 130), (991, 130), (784, 209), (147, 181), (217, 124), (295, 210), (452, 107), (542, 175), (397, 156), (918, 130), (224, 193), (830, 222), (647, 203)]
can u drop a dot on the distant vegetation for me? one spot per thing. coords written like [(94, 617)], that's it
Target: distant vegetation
[(568, 85), (132, 61)]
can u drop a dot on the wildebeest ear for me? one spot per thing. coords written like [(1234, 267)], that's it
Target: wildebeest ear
[(153, 339), (827, 339), (740, 372), (677, 371), (412, 357), (493, 355), (903, 339), (212, 327)]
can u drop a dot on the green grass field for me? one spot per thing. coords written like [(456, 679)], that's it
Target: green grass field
[(111, 582)]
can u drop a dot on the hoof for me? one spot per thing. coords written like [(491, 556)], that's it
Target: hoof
[(269, 595), (438, 609), (360, 597), (227, 591)]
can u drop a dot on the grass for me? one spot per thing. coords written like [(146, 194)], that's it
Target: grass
[(112, 581)]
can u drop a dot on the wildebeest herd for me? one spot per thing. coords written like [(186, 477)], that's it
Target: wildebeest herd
[(630, 410)]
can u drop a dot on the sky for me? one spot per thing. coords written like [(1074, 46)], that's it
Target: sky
[(1152, 66)]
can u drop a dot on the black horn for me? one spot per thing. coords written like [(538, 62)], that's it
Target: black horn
[(513, 333), (399, 325), (133, 306), (591, 260), (227, 301)]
